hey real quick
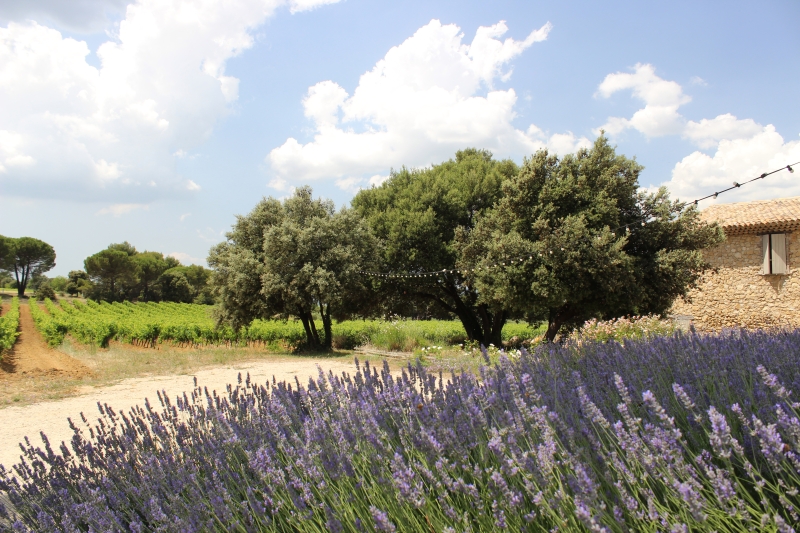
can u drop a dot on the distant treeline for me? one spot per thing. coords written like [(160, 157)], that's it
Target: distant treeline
[(122, 273)]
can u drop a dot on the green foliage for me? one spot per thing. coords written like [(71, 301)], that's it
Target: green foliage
[(563, 215), (44, 290), (149, 324), (121, 273), (59, 283), (78, 283), (9, 326), (52, 329), (113, 272), (175, 287), (186, 284), (6, 280), (149, 267), (294, 259), (26, 257), (417, 214), (6, 252)]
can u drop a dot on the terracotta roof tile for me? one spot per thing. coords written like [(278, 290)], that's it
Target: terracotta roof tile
[(760, 216)]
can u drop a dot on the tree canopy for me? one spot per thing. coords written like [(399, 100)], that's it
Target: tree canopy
[(120, 272), (77, 283), (594, 245), (26, 257), (295, 258), (113, 272), (417, 214)]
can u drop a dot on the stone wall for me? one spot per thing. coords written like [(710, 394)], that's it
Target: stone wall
[(737, 295)]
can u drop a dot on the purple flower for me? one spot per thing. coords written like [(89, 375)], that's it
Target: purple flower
[(381, 520)]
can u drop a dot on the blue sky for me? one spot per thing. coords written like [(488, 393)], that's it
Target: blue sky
[(158, 121)]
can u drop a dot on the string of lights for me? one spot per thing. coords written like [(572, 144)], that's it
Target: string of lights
[(521, 259)]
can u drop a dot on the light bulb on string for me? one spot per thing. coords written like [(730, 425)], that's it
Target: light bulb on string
[(790, 169)]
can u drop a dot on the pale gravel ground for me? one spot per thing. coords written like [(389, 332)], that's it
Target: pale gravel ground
[(51, 417)]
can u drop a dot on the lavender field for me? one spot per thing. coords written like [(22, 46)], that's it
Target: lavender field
[(680, 433)]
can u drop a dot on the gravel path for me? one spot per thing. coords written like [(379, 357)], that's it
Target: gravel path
[(51, 417)]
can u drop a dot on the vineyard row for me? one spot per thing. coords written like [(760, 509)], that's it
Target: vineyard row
[(149, 324), (9, 326)]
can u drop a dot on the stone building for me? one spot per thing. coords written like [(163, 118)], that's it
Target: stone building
[(757, 279)]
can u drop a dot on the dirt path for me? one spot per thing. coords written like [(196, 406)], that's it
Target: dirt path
[(32, 356), (31, 360), (51, 417)]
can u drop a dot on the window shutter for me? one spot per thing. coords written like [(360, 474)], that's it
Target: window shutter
[(778, 253), (765, 255)]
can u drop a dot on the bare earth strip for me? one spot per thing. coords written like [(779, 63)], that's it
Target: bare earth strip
[(31, 356)]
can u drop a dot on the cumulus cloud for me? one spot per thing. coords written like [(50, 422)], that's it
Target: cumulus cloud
[(185, 258), (70, 129), (428, 97), (296, 6), (662, 99), (350, 184), (707, 133), (739, 159), (10, 155), (743, 149), (377, 180)]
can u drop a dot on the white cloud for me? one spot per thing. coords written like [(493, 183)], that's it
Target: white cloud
[(192, 186), (296, 6), (744, 149), (707, 133), (185, 216), (739, 160), (10, 154), (645, 85), (427, 98), (559, 143), (377, 180), (185, 258), (106, 132), (350, 184), (278, 185), (662, 99), (121, 209), (107, 171), (697, 80)]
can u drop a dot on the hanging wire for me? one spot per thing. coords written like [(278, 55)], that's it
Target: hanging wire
[(626, 227)]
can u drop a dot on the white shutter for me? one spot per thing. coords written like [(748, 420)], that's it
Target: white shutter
[(778, 253), (765, 255)]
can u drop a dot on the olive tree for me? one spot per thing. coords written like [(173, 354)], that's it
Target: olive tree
[(294, 259), (592, 244), (417, 214)]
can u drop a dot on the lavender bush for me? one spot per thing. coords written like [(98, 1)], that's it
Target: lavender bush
[(686, 433)]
